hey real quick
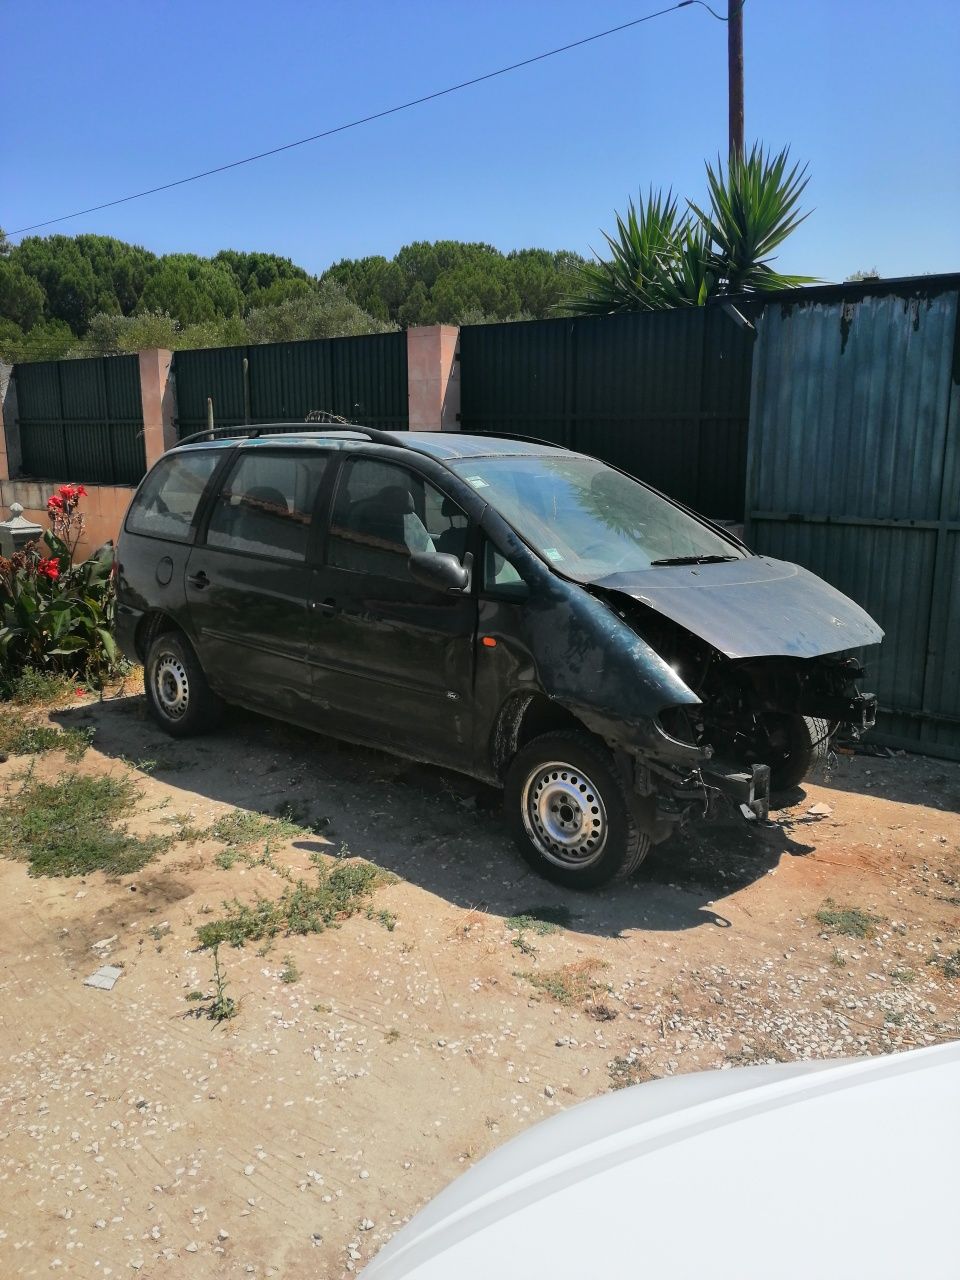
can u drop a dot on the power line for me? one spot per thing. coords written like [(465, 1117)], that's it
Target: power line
[(354, 124)]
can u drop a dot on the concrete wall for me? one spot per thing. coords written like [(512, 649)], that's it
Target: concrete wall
[(103, 508), (433, 378)]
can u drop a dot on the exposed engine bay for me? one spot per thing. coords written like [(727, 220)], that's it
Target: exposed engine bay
[(761, 722)]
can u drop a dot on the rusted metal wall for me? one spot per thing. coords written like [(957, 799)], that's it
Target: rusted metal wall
[(854, 472), (665, 395), (81, 420), (363, 379)]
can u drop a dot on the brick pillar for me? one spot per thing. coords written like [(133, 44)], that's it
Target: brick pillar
[(433, 377), (159, 402), (9, 424)]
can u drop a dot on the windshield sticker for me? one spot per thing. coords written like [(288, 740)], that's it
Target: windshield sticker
[(478, 482), (552, 553)]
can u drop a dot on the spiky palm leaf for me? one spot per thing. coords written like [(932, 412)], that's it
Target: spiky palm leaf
[(753, 209), (638, 274), (660, 258)]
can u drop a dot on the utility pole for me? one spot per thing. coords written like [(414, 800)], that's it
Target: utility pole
[(735, 74)]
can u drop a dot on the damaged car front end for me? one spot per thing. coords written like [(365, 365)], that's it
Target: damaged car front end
[(706, 670), (765, 648)]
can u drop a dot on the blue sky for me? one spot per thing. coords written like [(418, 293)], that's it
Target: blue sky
[(103, 98)]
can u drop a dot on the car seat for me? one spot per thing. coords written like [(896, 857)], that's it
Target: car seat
[(453, 540)]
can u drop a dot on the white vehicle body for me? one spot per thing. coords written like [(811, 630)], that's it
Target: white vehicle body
[(840, 1169)]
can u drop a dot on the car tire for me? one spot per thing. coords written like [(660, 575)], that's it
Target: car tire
[(807, 743), (568, 808), (178, 695)]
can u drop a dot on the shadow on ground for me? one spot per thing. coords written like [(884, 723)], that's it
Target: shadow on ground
[(901, 778), (434, 828)]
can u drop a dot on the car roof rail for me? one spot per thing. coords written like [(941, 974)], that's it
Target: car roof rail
[(293, 428), (513, 435)]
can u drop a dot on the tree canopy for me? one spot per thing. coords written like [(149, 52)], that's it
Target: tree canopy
[(91, 295)]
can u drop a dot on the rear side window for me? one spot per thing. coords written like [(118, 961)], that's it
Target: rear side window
[(266, 504), (168, 498)]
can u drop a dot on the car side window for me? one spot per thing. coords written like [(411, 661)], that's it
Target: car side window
[(383, 513), (266, 504), (167, 500), (499, 575)]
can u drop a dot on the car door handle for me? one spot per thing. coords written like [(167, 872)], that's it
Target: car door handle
[(326, 608), (198, 580)]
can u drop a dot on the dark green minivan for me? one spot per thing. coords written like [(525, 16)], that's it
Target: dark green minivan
[(516, 611)]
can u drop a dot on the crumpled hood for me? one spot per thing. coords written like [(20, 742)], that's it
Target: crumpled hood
[(752, 608)]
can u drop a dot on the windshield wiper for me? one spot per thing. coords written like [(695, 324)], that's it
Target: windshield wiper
[(694, 560)]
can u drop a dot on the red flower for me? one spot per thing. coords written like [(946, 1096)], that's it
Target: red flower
[(71, 493), (55, 503), (49, 568), (80, 693)]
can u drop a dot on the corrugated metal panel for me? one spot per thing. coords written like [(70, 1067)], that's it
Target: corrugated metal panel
[(82, 420), (363, 379), (216, 373), (665, 395), (854, 471), (38, 390)]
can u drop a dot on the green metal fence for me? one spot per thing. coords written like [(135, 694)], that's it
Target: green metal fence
[(81, 420), (665, 395), (363, 379), (855, 473)]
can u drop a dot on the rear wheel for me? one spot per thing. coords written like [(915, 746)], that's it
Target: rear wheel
[(568, 808), (178, 695)]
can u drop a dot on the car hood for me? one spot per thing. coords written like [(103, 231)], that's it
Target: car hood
[(752, 608), (785, 1170)]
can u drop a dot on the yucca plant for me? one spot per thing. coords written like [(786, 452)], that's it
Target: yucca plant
[(662, 258)]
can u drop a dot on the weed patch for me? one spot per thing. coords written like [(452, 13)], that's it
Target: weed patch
[(542, 920), (289, 973), (244, 827), (216, 1005), (72, 827), (949, 966), (763, 1049), (570, 984), (903, 976), (32, 688), (302, 908), (628, 1069), (850, 922), (386, 918), (20, 738), (538, 920)]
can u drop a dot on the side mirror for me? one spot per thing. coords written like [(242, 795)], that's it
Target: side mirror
[(438, 570)]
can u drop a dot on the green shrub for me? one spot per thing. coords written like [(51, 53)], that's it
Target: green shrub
[(56, 616)]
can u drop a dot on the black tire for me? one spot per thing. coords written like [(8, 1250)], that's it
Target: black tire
[(178, 695), (584, 799), (805, 742)]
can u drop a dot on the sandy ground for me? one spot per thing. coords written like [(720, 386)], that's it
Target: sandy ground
[(294, 1139)]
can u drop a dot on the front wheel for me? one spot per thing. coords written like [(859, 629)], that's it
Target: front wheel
[(178, 695), (796, 745), (569, 812)]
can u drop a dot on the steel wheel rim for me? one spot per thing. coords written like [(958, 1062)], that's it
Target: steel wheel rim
[(171, 686), (564, 815)]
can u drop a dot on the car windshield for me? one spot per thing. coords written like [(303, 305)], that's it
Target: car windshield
[(590, 521)]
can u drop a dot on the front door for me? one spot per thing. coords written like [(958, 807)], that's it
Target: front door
[(248, 585), (392, 660)]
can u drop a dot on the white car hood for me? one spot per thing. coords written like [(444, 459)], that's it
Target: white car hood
[(827, 1169)]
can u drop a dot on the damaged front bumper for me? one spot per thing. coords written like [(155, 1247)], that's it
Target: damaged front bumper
[(749, 788)]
